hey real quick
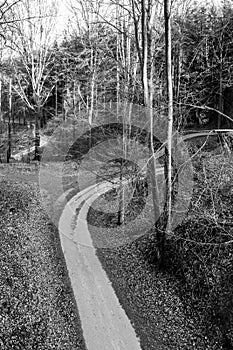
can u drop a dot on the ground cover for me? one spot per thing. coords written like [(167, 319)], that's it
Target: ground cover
[(174, 308), (188, 304), (37, 310)]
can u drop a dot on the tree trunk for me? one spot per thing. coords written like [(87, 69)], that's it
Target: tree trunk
[(168, 48), (37, 135), (11, 116), (93, 78), (117, 71), (75, 99), (220, 93), (1, 118), (145, 54), (24, 117), (8, 155), (120, 219), (56, 101), (9, 123), (145, 51)]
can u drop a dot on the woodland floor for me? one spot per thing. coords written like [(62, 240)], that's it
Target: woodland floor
[(37, 310), (186, 305)]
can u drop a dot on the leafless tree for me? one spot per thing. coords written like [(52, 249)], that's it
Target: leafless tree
[(31, 38)]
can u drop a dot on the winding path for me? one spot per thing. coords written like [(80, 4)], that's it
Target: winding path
[(104, 322)]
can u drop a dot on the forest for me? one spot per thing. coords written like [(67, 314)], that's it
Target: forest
[(137, 94), (116, 58)]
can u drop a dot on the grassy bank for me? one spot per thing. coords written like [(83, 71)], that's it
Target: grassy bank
[(37, 310)]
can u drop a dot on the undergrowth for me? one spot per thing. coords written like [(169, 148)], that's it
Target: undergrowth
[(200, 254)]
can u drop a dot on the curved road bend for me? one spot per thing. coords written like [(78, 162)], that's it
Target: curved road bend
[(104, 322)]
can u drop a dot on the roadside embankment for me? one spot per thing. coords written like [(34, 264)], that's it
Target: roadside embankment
[(37, 310)]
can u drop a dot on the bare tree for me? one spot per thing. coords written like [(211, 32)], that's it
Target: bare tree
[(5, 21), (31, 37), (86, 27)]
